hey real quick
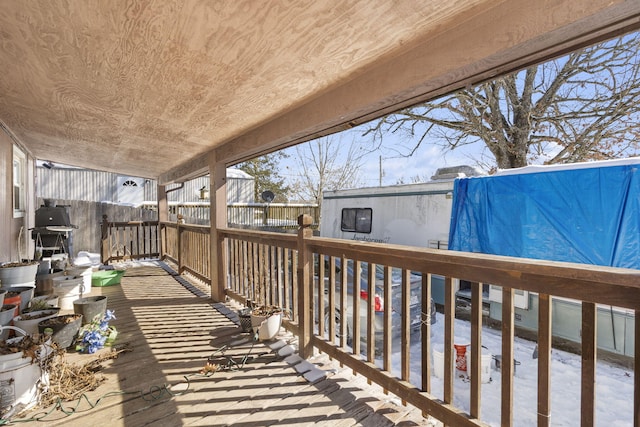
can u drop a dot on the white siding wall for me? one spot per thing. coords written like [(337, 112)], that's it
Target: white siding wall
[(76, 184), (62, 183)]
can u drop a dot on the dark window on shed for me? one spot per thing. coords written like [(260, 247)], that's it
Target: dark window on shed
[(356, 219)]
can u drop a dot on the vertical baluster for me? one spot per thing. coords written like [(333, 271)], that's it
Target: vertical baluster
[(449, 315), (388, 326), (343, 302), (425, 334), (357, 272), (588, 384), (506, 367), (332, 299), (544, 359), (476, 349), (405, 341), (321, 293), (371, 295)]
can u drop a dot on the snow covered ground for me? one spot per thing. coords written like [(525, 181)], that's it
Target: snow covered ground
[(614, 385)]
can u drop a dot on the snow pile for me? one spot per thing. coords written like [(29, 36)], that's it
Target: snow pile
[(614, 385)]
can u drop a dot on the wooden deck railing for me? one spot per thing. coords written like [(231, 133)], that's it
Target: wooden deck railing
[(129, 240), (188, 246), (257, 216), (302, 274), (282, 216)]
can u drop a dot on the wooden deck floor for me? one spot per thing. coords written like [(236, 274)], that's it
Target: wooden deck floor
[(173, 331)]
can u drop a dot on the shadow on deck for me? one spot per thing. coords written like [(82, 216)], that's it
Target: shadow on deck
[(173, 329)]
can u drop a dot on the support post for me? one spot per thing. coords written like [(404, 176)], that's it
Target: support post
[(163, 204), (179, 221), (305, 309), (218, 214), (163, 216), (104, 244)]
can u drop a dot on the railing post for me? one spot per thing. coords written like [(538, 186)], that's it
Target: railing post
[(218, 257), (305, 309), (179, 241), (163, 216), (104, 244)]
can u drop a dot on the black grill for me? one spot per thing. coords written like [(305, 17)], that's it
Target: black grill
[(56, 217), (52, 226)]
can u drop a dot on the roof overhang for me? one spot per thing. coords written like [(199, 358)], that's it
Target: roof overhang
[(153, 89)]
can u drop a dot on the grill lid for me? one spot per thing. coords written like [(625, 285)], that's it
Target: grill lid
[(53, 219)]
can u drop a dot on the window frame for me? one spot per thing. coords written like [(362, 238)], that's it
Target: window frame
[(359, 223), (19, 178)]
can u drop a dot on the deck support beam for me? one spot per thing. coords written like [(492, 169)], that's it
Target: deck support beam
[(305, 308), (218, 215)]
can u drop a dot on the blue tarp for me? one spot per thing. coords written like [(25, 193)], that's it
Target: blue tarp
[(586, 215)]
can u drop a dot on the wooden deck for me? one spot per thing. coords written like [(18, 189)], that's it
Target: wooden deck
[(173, 328)]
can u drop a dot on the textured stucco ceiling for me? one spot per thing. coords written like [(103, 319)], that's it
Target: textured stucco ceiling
[(145, 87)]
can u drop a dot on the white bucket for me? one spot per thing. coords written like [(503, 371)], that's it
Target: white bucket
[(86, 273), (438, 364), (438, 360), (266, 327), (19, 386), (67, 288), (19, 383), (485, 366)]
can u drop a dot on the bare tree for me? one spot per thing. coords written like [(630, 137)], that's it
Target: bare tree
[(579, 107), (325, 164)]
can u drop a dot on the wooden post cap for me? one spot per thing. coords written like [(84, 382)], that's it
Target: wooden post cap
[(305, 220)]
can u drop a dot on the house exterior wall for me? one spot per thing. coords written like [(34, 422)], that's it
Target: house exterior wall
[(76, 184), (5, 197), (239, 189), (16, 243), (63, 183)]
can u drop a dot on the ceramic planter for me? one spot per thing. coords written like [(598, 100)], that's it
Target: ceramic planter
[(267, 327)]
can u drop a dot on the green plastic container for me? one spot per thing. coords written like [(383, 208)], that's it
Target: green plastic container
[(106, 277)]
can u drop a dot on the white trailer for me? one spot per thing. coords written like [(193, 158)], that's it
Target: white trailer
[(412, 215)]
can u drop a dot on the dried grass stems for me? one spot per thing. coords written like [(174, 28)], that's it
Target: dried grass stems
[(68, 382)]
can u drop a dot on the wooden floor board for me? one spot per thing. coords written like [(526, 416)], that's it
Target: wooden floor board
[(172, 333)]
